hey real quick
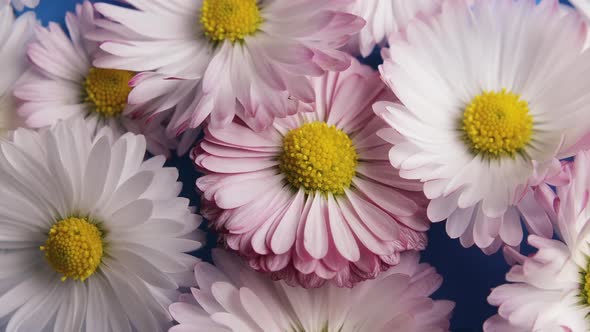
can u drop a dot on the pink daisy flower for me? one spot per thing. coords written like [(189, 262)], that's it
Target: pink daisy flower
[(232, 297), (260, 49), (550, 290), (62, 83), (314, 198), (485, 120), (385, 18)]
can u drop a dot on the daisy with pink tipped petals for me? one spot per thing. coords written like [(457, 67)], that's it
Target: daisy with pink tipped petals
[(314, 198), (221, 58), (15, 34), (385, 18), (231, 297), (550, 290), (62, 83), (486, 118)]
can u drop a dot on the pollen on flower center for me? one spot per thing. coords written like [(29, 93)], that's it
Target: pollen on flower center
[(230, 19), (74, 248), (497, 124), (106, 90), (318, 157)]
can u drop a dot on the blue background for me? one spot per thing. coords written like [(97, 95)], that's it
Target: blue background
[(468, 273)]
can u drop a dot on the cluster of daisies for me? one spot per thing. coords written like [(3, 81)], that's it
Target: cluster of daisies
[(320, 175)]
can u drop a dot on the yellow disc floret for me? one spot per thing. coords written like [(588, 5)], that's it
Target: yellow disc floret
[(74, 248), (106, 90), (497, 124), (230, 19), (585, 286), (318, 157)]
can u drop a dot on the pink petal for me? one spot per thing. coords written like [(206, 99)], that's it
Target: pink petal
[(315, 236), (343, 238), (284, 236)]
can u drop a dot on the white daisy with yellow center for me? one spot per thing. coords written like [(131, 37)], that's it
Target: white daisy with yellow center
[(56, 89), (92, 237), (263, 51), (485, 117)]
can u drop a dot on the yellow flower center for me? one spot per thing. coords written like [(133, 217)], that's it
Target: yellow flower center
[(230, 19), (318, 157), (106, 90), (74, 248), (497, 124), (585, 286)]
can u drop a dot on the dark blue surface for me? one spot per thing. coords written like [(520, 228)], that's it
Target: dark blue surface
[(468, 274)]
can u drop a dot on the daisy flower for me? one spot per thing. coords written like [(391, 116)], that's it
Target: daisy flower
[(314, 198), (384, 18), (15, 34), (62, 83), (232, 297), (92, 238), (550, 290), (486, 117), (260, 49)]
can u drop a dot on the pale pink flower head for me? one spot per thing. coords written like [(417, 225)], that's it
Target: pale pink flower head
[(232, 297), (221, 58), (314, 198), (384, 19), (485, 118), (62, 83), (550, 290)]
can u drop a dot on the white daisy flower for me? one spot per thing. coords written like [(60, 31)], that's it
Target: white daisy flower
[(62, 83), (15, 35), (385, 18), (92, 238), (550, 290), (494, 93), (260, 51), (231, 297)]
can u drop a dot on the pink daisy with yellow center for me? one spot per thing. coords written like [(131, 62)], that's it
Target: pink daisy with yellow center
[(314, 198)]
